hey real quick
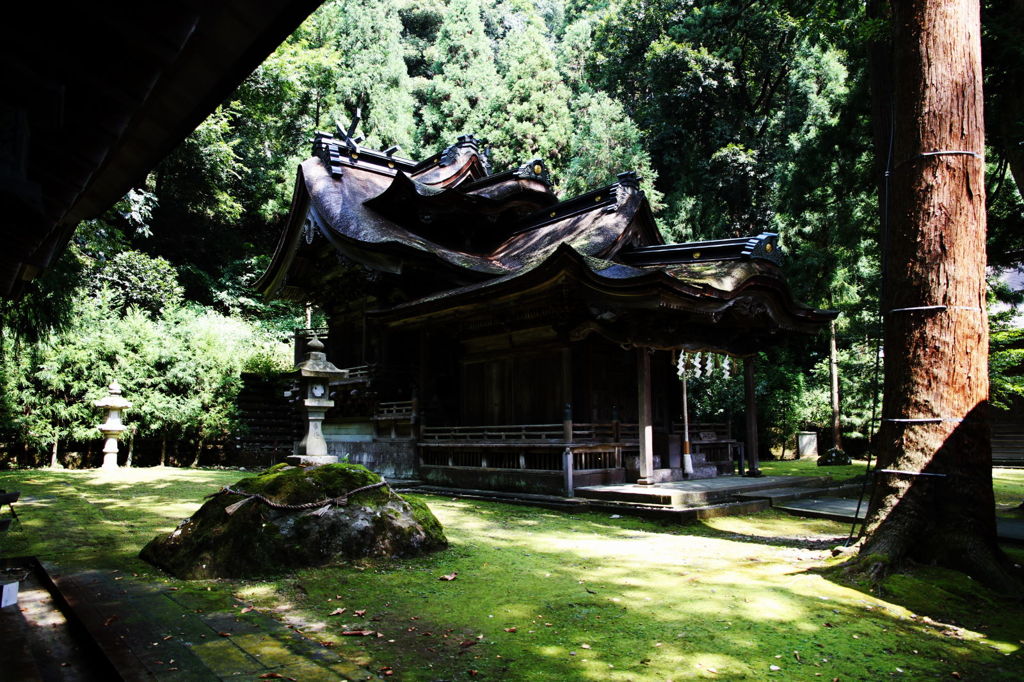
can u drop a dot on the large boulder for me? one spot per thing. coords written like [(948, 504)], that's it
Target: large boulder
[(227, 540)]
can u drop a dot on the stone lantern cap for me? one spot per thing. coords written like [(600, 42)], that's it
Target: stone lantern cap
[(316, 364), (113, 400)]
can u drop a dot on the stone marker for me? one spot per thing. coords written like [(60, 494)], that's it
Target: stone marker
[(113, 427), (316, 373)]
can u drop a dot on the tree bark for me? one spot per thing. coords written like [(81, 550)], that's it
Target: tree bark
[(163, 451), (933, 497), (54, 462), (199, 452), (833, 371)]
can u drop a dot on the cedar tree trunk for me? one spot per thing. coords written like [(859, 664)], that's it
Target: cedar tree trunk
[(939, 507)]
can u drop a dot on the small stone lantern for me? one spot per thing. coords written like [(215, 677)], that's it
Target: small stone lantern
[(111, 429), (315, 373)]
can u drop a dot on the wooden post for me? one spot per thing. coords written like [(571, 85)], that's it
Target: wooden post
[(687, 458), (567, 424), (644, 417), (751, 445), (567, 470)]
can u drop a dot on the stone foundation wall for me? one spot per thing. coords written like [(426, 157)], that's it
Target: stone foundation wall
[(390, 458)]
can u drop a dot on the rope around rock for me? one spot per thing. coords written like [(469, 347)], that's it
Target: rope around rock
[(321, 506)]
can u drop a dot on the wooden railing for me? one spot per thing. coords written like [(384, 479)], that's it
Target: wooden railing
[(493, 435), (529, 434), (357, 373), (398, 410)]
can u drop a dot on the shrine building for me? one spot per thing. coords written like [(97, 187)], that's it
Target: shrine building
[(494, 337)]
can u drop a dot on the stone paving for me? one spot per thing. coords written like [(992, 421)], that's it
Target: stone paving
[(152, 632), (845, 509)]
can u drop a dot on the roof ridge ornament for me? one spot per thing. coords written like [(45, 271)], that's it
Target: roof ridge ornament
[(533, 170), (630, 180), (450, 153)]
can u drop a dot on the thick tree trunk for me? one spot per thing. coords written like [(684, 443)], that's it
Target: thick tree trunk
[(933, 496), (163, 451), (54, 462)]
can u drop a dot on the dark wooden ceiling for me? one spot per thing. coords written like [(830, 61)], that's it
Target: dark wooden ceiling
[(94, 95)]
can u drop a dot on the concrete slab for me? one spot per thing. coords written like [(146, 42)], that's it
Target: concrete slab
[(700, 492), (844, 509), (834, 508), (781, 495)]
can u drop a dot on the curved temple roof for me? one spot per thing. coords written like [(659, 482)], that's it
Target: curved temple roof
[(493, 236)]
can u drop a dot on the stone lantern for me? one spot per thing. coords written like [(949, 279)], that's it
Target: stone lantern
[(315, 374), (111, 429)]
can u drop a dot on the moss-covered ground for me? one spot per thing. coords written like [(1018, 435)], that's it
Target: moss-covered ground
[(809, 467), (545, 595)]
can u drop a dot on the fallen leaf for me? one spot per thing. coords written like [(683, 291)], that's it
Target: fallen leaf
[(466, 643), (360, 612), (167, 637), (109, 621), (584, 646), (247, 609), (510, 629), (451, 576), (224, 634), (357, 633), (337, 612), (796, 655), (711, 670), (474, 673), (774, 668)]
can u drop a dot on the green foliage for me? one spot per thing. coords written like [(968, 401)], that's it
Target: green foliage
[(604, 143), (178, 365), (458, 97), (1006, 366), (531, 117), (136, 280)]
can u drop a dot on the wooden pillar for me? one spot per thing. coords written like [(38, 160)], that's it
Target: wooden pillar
[(644, 416), (751, 444)]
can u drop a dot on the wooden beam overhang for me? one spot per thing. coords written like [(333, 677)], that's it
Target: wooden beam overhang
[(636, 307), (98, 95)]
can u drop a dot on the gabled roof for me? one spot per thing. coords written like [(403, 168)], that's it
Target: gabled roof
[(505, 239), (389, 214)]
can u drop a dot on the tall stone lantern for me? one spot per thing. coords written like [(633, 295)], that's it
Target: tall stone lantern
[(315, 374), (112, 429)]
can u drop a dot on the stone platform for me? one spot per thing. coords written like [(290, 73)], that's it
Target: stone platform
[(845, 509), (699, 492)]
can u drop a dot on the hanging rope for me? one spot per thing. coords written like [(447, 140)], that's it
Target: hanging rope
[(321, 506)]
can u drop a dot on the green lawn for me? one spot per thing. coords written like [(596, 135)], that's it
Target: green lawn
[(809, 467), (544, 595)]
